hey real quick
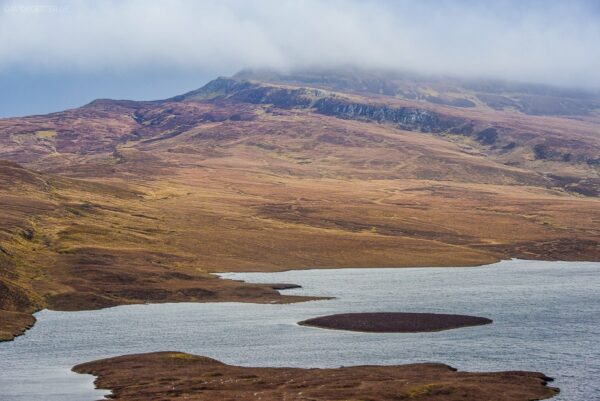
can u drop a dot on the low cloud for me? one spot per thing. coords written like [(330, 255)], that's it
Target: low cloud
[(542, 41)]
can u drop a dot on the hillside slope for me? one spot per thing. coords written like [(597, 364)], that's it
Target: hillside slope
[(121, 201)]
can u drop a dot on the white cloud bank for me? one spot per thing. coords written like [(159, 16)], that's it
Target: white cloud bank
[(542, 41)]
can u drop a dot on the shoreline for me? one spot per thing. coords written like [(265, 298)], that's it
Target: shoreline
[(15, 324), (14, 327)]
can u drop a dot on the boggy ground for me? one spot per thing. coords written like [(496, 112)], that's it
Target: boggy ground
[(177, 376), (130, 202)]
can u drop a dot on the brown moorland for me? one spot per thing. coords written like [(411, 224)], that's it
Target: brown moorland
[(131, 202), (177, 376)]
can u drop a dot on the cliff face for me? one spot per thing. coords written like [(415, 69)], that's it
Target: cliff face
[(411, 119), (325, 102)]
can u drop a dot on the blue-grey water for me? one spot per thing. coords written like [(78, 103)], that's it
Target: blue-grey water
[(546, 318)]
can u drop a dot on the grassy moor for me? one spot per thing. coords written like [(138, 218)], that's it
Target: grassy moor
[(121, 202)]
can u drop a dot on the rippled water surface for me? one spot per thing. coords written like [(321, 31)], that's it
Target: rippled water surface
[(546, 318)]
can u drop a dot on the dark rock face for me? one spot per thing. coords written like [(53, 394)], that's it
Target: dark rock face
[(308, 98), (405, 117), (389, 322)]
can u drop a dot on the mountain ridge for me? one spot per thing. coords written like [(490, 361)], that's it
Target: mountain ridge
[(498, 134)]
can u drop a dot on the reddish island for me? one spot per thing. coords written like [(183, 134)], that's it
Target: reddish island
[(394, 322)]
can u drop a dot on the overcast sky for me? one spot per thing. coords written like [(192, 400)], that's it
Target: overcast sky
[(60, 54)]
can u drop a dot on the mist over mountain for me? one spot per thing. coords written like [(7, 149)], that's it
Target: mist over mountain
[(74, 45)]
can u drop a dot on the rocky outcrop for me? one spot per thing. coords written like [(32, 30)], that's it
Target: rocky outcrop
[(409, 118), (323, 102)]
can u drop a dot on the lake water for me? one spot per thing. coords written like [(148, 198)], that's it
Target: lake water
[(546, 318)]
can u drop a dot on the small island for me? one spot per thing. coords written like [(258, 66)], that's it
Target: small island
[(394, 322), (178, 376)]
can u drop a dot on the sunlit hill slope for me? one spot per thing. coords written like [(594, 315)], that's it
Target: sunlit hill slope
[(127, 202)]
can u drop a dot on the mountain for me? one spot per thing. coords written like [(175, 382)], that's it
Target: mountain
[(532, 99), (126, 202)]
